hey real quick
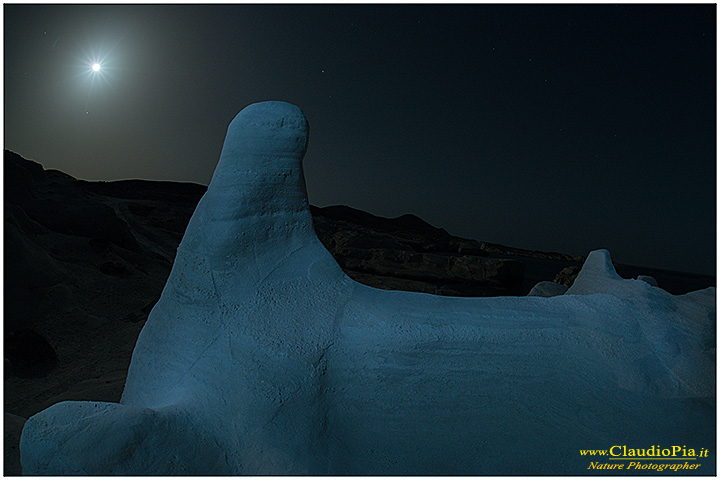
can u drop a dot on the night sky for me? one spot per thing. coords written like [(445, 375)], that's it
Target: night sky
[(548, 127)]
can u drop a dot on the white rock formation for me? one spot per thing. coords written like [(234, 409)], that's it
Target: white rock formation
[(648, 279), (262, 357), (547, 289)]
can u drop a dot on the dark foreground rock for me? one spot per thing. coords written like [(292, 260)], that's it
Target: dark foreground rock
[(11, 439)]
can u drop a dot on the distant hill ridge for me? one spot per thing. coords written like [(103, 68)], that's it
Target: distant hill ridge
[(114, 210)]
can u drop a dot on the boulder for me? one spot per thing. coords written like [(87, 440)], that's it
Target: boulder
[(648, 279), (548, 289)]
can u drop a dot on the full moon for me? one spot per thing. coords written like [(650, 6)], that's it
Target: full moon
[(96, 67)]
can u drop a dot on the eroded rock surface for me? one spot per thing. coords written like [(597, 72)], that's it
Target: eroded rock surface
[(262, 357)]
